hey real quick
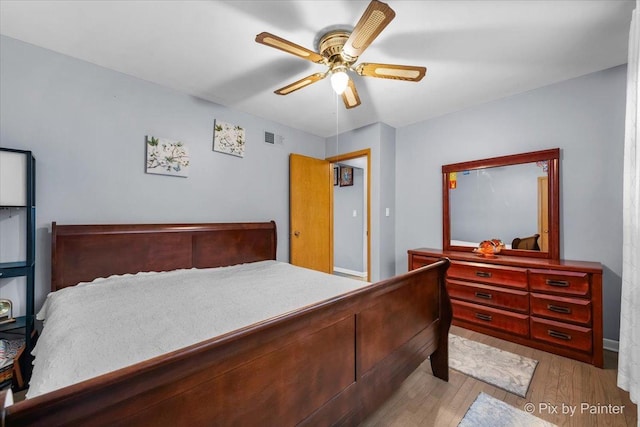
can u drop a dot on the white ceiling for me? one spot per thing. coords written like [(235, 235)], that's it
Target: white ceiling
[(474, 51)]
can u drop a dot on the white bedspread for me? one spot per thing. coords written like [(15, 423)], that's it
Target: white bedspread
[(94, 328)]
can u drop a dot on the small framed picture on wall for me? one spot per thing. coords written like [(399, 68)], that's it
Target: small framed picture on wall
[(346, 176), (336, 175)]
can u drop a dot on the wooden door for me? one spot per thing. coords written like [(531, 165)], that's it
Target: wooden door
[(311, 213), (543, 212)]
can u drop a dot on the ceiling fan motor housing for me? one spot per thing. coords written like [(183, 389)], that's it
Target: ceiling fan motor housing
[(330, 47)]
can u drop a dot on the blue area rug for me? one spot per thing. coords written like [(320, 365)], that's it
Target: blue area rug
[(487, 411), (505, 370)]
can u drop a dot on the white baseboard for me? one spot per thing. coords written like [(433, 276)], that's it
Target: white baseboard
[(362, 274), (611, 345)]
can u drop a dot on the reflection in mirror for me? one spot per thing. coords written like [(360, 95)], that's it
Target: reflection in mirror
[(478, 198), (514, 199)]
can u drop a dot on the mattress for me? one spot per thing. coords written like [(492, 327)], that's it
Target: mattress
[(110, 323)]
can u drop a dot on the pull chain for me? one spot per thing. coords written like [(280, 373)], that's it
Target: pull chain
[(337, 134)]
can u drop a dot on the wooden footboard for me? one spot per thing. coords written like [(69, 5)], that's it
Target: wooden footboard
[(331, 363)]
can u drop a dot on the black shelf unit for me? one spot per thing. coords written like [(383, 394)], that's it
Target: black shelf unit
[(24, 325)]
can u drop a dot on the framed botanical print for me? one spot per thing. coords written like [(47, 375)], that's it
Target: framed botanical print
[(166, 157), (228, 138)]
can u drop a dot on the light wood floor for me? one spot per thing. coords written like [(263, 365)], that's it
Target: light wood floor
[(424, 400)]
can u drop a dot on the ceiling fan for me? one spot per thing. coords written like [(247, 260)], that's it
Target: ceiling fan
[(339, 50)]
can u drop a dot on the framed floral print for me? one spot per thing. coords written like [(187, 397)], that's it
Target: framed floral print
[(166, 157), (228, 138)]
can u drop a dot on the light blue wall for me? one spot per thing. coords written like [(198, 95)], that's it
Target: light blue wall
[(348, 230), (380, 139), (584, 117), (86, 126), (387, 177)]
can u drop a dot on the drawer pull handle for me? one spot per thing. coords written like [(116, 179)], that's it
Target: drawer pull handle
[(483, 295), (558, 309), (483, 274), (559, 335), (558, 283), (484, 317)]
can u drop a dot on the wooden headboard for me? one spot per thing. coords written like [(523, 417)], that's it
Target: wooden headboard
[(81, 253)]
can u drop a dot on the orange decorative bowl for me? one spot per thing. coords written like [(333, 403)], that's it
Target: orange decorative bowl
[(489, 248)]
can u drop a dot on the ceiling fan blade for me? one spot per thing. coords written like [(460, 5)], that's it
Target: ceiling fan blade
[(391, 71), (373, 21), (289, 47), (304, 82), (350, 96)]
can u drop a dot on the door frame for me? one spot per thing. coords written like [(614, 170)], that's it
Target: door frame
[(543, 212), (349, 156)]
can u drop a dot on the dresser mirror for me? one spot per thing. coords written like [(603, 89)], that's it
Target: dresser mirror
[(513, 199)]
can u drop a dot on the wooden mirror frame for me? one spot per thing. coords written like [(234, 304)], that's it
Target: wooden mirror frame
[(552, 156)]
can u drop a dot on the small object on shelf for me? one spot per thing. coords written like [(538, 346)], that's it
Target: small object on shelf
[(10, 352), (6, 376), (13, 178), (6, 369), (6, 311)]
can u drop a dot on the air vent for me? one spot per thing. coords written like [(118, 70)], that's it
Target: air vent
[(270, 137)]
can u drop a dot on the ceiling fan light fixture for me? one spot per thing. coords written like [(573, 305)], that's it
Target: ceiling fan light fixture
[(338, 48), (339, 80)]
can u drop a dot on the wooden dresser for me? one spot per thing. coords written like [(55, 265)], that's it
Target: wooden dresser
[(555, 306)]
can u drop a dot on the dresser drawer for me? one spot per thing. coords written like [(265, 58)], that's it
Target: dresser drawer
[(564, 334), (515, 323), (559, 282), (574, 310), (489, 295), (491, 274), (418, 261)]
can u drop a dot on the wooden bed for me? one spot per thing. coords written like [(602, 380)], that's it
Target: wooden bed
[(331, 363)]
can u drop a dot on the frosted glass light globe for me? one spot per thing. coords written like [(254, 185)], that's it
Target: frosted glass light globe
[(339, 81)]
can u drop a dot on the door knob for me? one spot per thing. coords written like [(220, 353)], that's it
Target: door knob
[(296, 233)]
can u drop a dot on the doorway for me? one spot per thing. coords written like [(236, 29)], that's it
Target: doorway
[(351, 214)]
